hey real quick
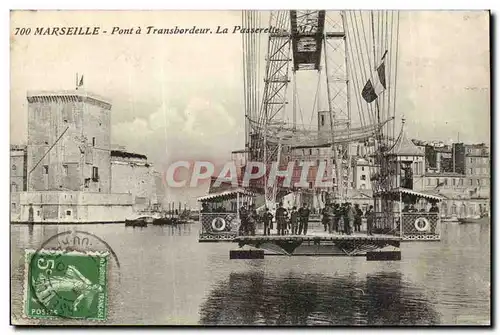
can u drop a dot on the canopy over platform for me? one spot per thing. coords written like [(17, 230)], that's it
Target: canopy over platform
[(226, 195), (405, 191)]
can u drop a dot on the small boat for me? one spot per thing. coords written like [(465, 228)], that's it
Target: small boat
[(451, 219), (165, 221), (141, 221), (473, 219)]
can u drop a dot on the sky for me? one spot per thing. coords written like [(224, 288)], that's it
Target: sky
[(181, 96)]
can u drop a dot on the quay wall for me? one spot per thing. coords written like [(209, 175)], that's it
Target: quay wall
[(75, 207)]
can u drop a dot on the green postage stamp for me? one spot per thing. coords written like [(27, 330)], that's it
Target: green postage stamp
[(62, 284)]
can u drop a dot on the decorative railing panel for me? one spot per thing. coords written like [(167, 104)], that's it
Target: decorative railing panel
[(219, 226), (421, 226)]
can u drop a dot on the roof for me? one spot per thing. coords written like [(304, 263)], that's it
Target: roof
[(405, 147), (425, 195), (225, 195), (124, 154), (357, 194), (68, 93)]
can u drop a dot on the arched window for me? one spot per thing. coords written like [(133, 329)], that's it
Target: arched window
[(13, 187), (13, 167)]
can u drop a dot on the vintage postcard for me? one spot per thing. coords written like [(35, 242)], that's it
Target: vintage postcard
[(287, 167)]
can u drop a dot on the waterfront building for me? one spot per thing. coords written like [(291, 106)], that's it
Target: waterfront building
[(18, 170), (68, 141), (473, 161), (466, 188), (361, 174), (131, 173), (68, 164)]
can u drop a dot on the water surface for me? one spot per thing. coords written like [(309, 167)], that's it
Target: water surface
[(167, 277)]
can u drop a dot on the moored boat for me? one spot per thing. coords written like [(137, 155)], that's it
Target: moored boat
[(451, 219), (141, 221), (473, 219)]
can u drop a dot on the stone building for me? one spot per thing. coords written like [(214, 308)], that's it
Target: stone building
[(466, 189), (68, 142), (473, 161), (361, 174), (18, 170), (131, 173)]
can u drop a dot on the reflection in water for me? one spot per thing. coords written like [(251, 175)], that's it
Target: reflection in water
[(251, 298)]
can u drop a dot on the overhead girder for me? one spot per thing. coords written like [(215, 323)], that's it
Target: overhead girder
[(307, 29)]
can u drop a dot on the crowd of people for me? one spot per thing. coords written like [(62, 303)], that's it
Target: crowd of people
[(336, 218), (295, 221), (345, 218)]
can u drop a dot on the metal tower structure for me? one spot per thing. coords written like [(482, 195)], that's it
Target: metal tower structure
[(306, 40)]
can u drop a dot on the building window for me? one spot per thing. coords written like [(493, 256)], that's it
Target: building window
[(68, 212), (13, 167), (471, 160), (65, 170), (322, 120), (93, 141), (362, 186), (470, 171), (13, 187), (95, 173), (428, 182), (14, 206), (87, 182), (454, 182), (471, 182), (437, 181), (45, 169), (362, 168), (310, 152), (461, 182), (446, 181), (363, 177), (478, 182)]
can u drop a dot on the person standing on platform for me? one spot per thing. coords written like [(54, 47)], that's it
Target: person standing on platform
[(281, 215), (369, 220), (324, 216), (345, 216), (342, 219), (331, 218), (243, 230), (357, 218), (268, 222), (336, 218), (294, 218), (304, 218), (351, 214), (252, 220)]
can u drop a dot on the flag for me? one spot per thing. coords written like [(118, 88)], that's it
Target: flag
[(81, 82), (375, 85)]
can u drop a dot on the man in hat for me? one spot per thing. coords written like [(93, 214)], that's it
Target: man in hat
[(281, 215), (304, 218)]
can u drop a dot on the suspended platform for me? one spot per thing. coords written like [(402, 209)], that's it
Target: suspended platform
[(315, 243), (321, 244)]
